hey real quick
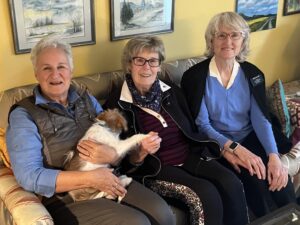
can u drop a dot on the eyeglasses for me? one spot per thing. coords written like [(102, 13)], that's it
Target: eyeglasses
[(140, 61), (233, 36)]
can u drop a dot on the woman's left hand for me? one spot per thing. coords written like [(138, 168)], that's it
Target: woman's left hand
[(94, 152), (277, 173)]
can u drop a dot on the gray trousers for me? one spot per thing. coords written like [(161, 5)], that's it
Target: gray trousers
[(140, 206)]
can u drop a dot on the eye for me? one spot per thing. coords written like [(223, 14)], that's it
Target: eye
[(235, 35), (221, 35), (140, 60), (46, 68)]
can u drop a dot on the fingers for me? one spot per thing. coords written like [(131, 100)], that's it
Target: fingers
[(151, 144), (259, 168), (116, 189), (278, 178)]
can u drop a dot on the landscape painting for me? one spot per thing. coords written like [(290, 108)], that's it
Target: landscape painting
[(34, 19), (291, 7), (134, 17), (260, 15)]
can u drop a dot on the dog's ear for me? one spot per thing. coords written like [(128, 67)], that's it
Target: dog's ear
[(120, 122), (114, 120)]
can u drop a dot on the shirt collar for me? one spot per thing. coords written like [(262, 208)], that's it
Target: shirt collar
[(40, 99), (127, 97), (214, 72)]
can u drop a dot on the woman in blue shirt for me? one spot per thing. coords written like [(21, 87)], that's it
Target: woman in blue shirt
[(228, 102)]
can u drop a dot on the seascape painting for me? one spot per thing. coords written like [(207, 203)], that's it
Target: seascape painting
[(38, 18), (260, 15), (132, 17)]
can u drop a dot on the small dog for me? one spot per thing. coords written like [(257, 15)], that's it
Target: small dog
[(106, 130)]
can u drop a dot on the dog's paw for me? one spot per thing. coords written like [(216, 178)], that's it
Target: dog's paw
[(125, 181)]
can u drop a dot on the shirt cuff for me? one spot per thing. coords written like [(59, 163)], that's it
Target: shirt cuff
[(47, 182)]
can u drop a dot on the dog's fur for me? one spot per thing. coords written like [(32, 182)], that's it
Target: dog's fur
[(106, 130)]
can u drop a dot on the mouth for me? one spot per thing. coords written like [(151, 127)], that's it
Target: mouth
[(145, 75), (227, 49), (56, 83)]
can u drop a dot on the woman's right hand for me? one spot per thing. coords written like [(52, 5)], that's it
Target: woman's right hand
[(103, 179), (149, 145)]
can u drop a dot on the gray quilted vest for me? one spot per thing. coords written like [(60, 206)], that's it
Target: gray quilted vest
[(59, 131)]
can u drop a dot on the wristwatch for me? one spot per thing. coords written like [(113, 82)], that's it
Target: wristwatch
[(233, 146)]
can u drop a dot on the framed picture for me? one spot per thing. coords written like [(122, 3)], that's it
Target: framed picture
[(135, 17), (260, 15), (34, 19), (291, 7)]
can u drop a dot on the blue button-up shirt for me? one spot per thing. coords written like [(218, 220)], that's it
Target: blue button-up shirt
[(25, 146)]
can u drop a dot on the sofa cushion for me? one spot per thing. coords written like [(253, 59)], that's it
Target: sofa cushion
[(279, 106), (294, 109), (175, 69)]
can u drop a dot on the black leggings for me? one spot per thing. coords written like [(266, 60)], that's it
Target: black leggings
[(260, 200), (219, 190)]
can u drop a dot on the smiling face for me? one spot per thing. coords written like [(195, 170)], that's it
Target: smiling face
[(53, 73), (226, 49), (144, 76)]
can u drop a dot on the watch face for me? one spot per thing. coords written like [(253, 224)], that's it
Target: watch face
[(233, 145)]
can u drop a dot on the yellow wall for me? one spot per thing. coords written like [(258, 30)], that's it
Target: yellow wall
[(275, 51)]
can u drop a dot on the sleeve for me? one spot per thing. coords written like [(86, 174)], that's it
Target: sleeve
[(96, 104), (204, 125), (25, 150), (262, 128)]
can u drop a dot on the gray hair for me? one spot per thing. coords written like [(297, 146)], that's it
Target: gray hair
[(139, 44), (52, 41), (229, 20)]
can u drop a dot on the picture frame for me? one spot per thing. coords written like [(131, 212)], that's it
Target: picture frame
[(259, 15), (137, 17), (34, 19), (291, 7)]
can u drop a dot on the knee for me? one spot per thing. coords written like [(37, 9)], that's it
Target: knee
[(231, 182), (137, 218), (163, 215)]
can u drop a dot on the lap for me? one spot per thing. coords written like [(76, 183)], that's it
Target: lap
[(102, 211)]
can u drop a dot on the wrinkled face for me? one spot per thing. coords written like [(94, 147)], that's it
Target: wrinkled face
[(53, 74), (145, 75), (227, 43)]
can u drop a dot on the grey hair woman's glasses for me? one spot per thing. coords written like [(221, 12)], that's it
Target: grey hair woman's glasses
[(233, 36), (140, 61)]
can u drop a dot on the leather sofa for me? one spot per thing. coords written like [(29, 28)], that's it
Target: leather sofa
[(20, 207)]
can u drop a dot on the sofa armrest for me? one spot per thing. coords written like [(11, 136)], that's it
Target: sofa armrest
[(25, 207)]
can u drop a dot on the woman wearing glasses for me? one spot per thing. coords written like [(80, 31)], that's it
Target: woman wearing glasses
[(174, 148), (228, 102)]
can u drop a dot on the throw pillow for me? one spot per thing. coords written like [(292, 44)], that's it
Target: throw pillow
[(279, 106), (3, 150), (294, 108)]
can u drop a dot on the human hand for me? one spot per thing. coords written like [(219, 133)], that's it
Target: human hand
[(234, 160), (95, 152), (277, 173), (253, 163), (149, 145), (103, 179)]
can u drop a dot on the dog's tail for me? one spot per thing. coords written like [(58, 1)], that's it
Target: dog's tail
[(69, 155)]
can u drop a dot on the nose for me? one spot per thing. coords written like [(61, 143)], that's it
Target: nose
[(54, 72), (146, 65)]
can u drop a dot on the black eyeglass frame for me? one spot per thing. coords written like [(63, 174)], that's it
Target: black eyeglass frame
[(149, 61)]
